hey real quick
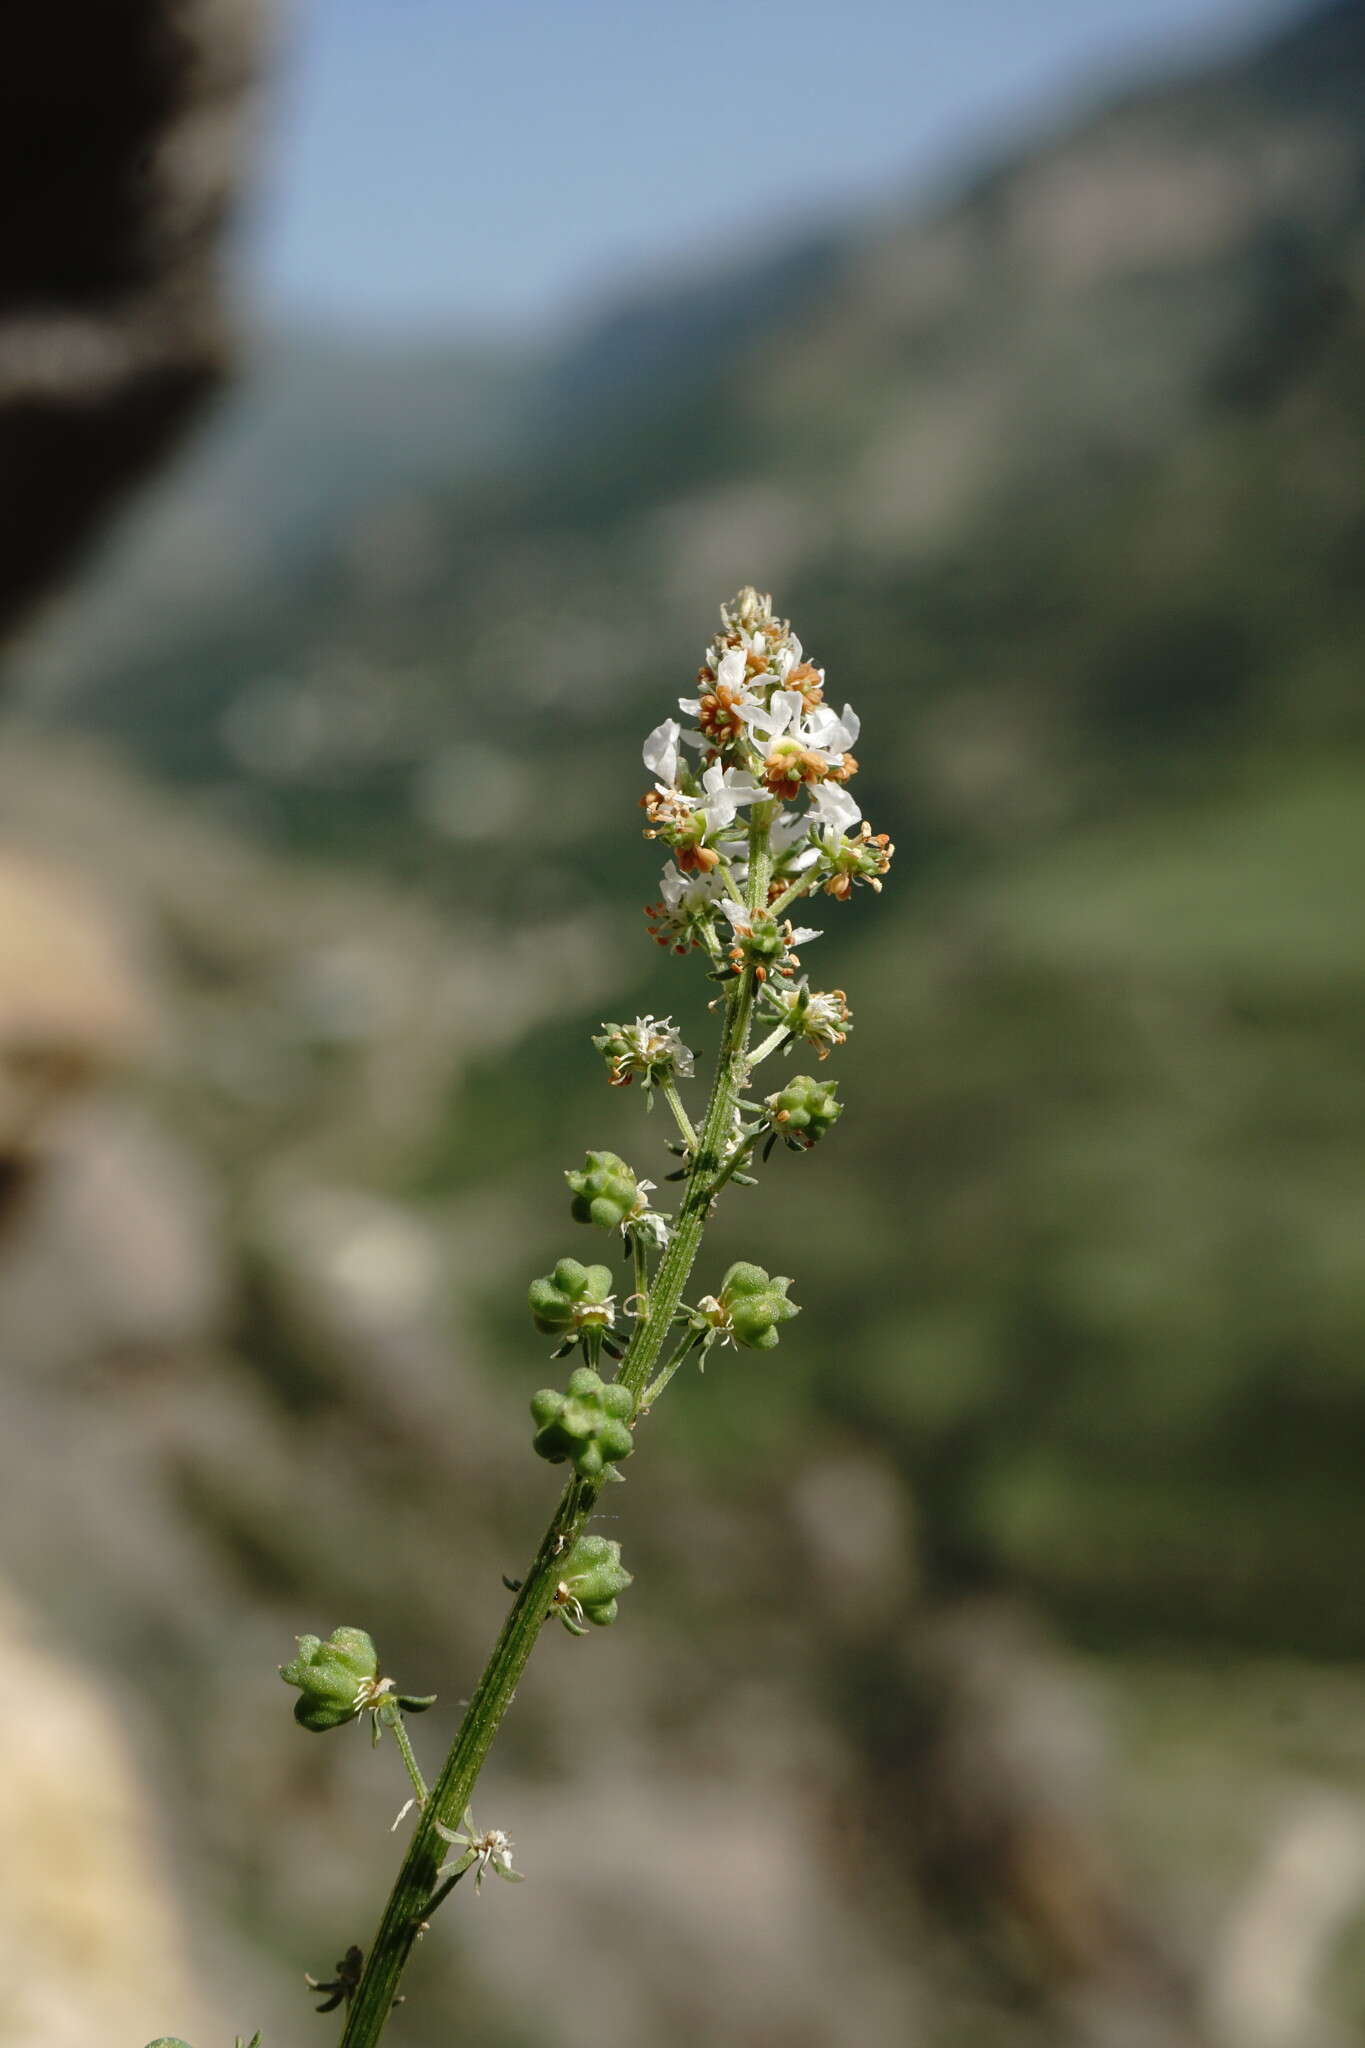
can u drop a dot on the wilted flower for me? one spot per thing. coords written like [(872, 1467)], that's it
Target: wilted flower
[(479, 1852), (650, 1047), (820, 1017)]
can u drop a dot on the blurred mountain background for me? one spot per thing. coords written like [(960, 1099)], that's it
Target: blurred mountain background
[(993, 1672)]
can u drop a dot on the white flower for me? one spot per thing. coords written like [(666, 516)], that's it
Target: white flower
[(724, 791), (741, 918), (835, 808), (787, 655), (650, 1226), (732, 669), (686, 908), (789, 828), (732, 677), (819, 731), (689, 895)]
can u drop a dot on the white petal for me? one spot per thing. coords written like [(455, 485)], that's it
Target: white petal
[(661, 751), (740, 786), (672, 886), (802, 934), (851, 723), (731, 669), (835, 806), (823, 730)]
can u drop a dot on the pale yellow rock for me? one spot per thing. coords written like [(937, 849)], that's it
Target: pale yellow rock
[(90, 1949), (72, 1002)]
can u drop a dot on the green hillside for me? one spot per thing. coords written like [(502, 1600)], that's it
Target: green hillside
[(1063, 482)]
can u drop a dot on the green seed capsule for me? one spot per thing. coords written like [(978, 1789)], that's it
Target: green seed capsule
[(605, 1191), (754, 1304), (333, 1677), (573, 1297), (595, 1573), (801, 1112), (587, 1424)]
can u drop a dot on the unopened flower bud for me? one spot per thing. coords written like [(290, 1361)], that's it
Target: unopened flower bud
[(572, 1298), (588, 1424), (763, 942), (802, 1111), (761, 939)]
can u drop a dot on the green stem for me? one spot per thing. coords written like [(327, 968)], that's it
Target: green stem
[(712, 945), (789, 895), (669, 1090), (760, 853), (640, 1261), (442, 1893), (740, 1155), (731, 885), (656, 1386), (413, 1893), (770, 1044), (400, 1736)]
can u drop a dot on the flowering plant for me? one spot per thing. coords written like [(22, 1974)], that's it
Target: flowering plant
[(751, 800)]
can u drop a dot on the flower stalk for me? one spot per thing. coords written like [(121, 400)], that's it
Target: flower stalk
[(766, 818), (412, 1899), (410, 1764)]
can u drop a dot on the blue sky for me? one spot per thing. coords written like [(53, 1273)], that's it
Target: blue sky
[(502, 164)]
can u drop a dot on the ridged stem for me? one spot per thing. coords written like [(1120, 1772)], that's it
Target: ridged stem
[(414, 1891)]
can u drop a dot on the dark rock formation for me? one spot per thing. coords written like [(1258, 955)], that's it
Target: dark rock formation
[(120, 149)]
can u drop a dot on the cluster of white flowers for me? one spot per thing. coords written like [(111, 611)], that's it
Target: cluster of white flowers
[(765, 737)]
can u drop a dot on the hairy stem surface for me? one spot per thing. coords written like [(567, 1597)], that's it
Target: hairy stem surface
[(415, 1890)]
